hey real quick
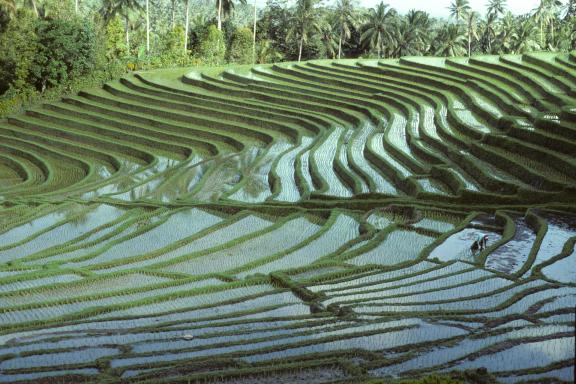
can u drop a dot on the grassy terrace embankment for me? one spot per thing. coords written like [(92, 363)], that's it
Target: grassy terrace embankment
[(292, 222)]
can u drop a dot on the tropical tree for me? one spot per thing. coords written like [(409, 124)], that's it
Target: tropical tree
[(303, 23), (507, 33), (186, 24), (458, 9), (570, 9), (345, 20), (472, 26), (267, 53), (545, 14), (378, 27), (327, 36), (124, 8), (489, 32), (451, 41), (9, 6), (405, 39), (148, 26), (224, 9), (524, 40), (254, 35), (421, 23), (496, 7), (34, 5)]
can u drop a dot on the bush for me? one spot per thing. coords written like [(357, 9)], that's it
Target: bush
[(65, 49), (18, 45), (240, 50), (212, 49), (115, 40)]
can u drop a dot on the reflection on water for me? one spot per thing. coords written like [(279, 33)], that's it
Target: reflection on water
[(511, 257), (457, 246)]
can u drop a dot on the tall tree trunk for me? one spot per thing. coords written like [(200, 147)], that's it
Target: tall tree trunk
[(35, 7), (541, 36), (469, 40), (254, 37), (76, 6), (187, 26), (127, 35), (148, 26), (219, 15), (340, 44), (300, 48), (379, 47)]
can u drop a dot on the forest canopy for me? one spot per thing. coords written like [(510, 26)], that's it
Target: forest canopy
[(50, 45)]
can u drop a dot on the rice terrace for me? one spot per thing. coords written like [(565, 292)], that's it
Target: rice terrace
[(297, 222)]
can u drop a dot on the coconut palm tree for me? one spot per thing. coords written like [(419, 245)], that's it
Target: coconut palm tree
[(225, 9), (507, 33), (186, 25), (378, 27), (303, 23), (148, 26), (472, 26), (327, 36), (570, 9), (124, 8), (405, 39), (34, 5), (545, 14), (345, 20), (458, 9), (497, 7), (420, 23), (451, 41), (254, 35), (9, 6), (524, 40)]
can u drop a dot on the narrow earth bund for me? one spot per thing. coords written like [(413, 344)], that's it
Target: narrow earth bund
[(294, 222)]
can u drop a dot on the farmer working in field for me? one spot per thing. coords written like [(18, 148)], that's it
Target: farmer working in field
[(480, 243)]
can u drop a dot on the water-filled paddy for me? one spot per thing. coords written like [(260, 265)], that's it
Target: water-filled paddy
[(319, 214)]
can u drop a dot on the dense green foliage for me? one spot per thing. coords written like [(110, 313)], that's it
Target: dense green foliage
[(49, 43)]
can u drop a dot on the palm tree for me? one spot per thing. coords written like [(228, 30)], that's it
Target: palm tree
[(405, 39), (497, 7), (378, 27), (489, 32), (471, 20), (173, 4), (10, 6), (420, 23), (186, 25), (545, 14), (507, 33), (451, 41), (458, 9), (224, 9), (345, 20), (254, 36), (124, 8), (303, 23), (524, 37), (34, 5), (148, 26), (328, 41), (570, 9)]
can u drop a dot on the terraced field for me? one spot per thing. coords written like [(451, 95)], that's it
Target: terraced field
[(294, 223)]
